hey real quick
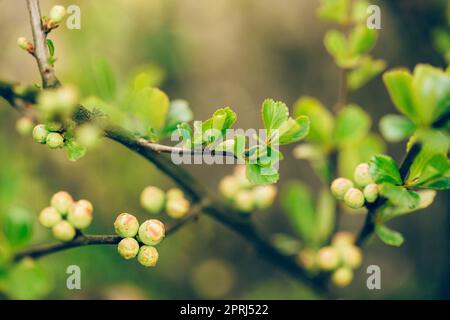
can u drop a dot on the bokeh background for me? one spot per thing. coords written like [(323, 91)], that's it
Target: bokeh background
[(213, 54)]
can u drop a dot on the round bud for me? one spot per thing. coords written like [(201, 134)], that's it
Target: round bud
[(327, 258), (64, 231), (174, 193), (343, 238), (228, 187), (307, 258), (148, 256), (351, 256), (57, 13), (153, 199), (22, 42), (126, 225), (371, 192), (40, 134), (264, 196), (80, 214), (55, 140), (62, 201), (151, 232), (128, 248), (342, 277), (354, 198), (49, 217), (24, 126), (177, 207), (362, 175), (240, 173), (340, 186), (244, 201), (53, 126)]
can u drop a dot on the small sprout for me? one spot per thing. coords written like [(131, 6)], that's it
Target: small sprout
[(153, 199), (25, 44), (244, 201), (342, 277), (126, 225), (362, 175), (55, 140), (228, 187), (148, 256), (343, 238), (40, 134), (351, 256), (24, 126), (151, 232), (64, 231), (62, 201), (264, 196), (177, 207), (354, 198), (340, 186), (371, 192), (57, 13), (128, 248), (327, 258), (80, 214), (49, 217)]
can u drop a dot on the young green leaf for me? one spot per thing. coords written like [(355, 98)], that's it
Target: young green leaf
[(334, 10), (179, 112), (399, 85), (389, 236), (384, 169), (74, 150), (362, 39), (51, 47), (293, 130), (390, 212), (325, 215), (257, 174), (215, 127), (396, 128), (18, 227), (366, 71), (352, 125), (336, 44), (400, 196), (274, 114)]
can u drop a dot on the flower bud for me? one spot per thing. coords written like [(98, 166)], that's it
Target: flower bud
[(264, 196), (151, 232), (228, 187), (57, 13), (343, 238), (55, 140), (88, 135), (351, 256), (62, 201), (340, 186), (174, 193), (25, 44), (40, 134), (128, 248), (80, 214), (244, 201), (148, 256), (362, 175), (24, 126), (153, 199), (240, 173), (327, 258), (177, 207), (126, 225), (342, 277), (354, 198), (49, 217), (371, 192), (307, 258), (53, 126), (64, 231)]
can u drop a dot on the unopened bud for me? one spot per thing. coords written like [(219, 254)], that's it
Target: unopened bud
[(151, 232), (40, 134), (49, 217), (354, 198), (244, 201), (153, 199), (340, 186), (24, 126), (342, 277), (148, 256), (177, 207), (54, 140), (88, 135), (62, 201), (351, 256), (362, 175), (229, 186), (128, 248), (80, 214), (371, 192), (64, 231), (126, 225), (307, 258), (264, 196), (327, 258), (57, 13), (25, 44), (343, 238), (174, 193)]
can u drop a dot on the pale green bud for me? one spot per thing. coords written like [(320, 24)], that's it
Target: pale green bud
[(57, 13), (53, 126), (62, 201), (64, 231), (174, 193), (40, 134), (126, 225), (151, 232), (153, 199), (351, 256), (362, 175), (80, 214), (229, 186), (327, 258), (244, 201), (128, 248), (354, 198), (148, 256), (371, 192), (307, 258), (177, 207), (25, 44), (340, 186), (55, 140), (342, 277), (264, 196), (343, 238), (24, 126), (49, 217), (240, 173)]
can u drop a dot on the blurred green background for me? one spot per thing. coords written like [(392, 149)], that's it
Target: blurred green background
[(213, 54)]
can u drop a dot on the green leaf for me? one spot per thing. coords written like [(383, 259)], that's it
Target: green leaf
[(51, 47), (396, 128), (298, 204), (334, 10), (336, 44), (215, 127), (179, 112), (362, 40), (101, 79), (352, 125), (389, 236), (322, 121), (293, 130), (74, 150), (274, 114), (366, 71), (400, 196), (390, 212), (325, 215), (286, 244), (384, 169), (399, 85), (259, 175), (18, 227)]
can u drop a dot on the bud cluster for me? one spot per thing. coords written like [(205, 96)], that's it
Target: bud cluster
[(243, 194), (340, 258), (55, 17), (356, 194), (49, 135), (139, 240), (65, 216), (174, 202)]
